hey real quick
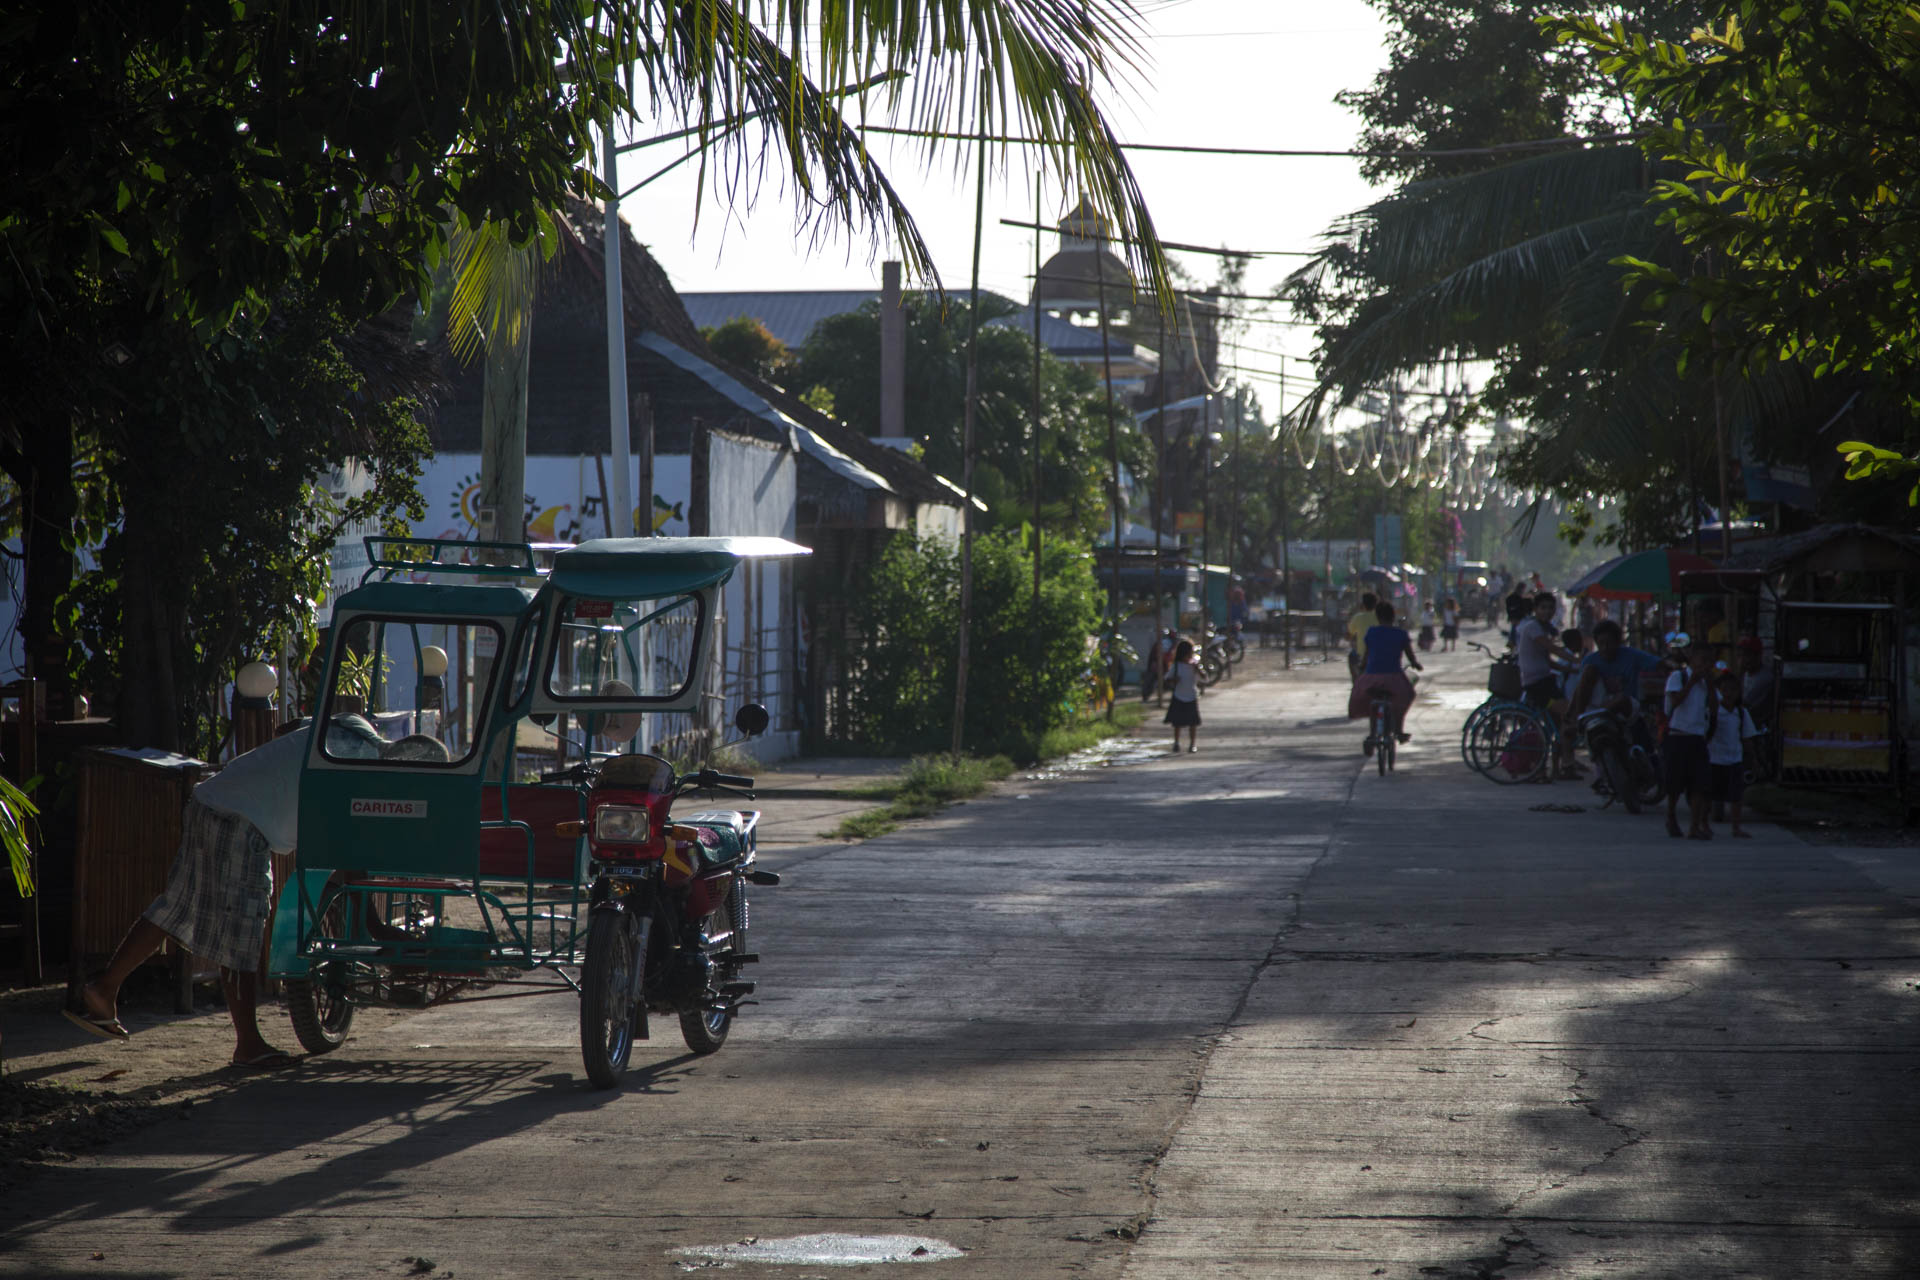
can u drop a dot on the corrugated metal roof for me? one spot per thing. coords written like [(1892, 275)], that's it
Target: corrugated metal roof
[(789, 314)]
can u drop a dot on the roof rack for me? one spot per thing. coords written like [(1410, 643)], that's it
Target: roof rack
[(390, 555)]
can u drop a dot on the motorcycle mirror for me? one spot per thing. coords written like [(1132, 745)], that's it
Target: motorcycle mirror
[(751, 719)]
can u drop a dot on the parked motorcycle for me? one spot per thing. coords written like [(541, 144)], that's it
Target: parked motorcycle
[(1215, 664), (668, 905), (1625, 768)]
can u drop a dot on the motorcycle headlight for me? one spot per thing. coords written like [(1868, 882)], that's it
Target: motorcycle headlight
[(620, 824)]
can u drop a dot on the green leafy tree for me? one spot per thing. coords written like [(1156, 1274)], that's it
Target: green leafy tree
[(184, 170), (1026, 672), (215, 537), (842, 359), (745, 342), (1793, 131)]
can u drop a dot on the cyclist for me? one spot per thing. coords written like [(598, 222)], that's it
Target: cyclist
[(1357, 627), (1386, 645)]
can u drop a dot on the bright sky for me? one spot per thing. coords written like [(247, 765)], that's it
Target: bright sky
[(1255, 73)]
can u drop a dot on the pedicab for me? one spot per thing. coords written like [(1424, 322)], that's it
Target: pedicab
[(440, 866)]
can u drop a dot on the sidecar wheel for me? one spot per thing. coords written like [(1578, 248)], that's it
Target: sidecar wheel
[(322, 1014)]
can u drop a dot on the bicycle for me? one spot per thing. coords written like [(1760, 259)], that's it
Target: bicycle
[(1380, 741), (1504, 740)]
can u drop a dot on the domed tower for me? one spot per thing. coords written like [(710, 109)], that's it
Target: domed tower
[(1070, 281)]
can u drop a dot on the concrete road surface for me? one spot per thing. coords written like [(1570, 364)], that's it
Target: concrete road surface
[(1248, 1012)]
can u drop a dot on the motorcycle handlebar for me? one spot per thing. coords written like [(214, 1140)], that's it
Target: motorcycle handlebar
[(730, 780)]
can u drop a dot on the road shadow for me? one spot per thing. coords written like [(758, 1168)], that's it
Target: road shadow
[(365, 1121)]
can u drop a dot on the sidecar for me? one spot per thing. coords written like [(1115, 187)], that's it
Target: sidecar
[(436, 858)]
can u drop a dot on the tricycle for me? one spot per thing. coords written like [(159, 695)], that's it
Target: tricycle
[(447, 863)]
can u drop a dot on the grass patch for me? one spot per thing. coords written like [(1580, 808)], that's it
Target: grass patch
[(930, 783), (1081, 734), (927, 785)]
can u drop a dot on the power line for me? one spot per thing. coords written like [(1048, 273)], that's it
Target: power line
[(1358, 153), (1172, 244)]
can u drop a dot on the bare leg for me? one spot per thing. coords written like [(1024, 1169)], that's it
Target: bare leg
[(1733, 812), (102, 995), (1673, 812), (242, 991)]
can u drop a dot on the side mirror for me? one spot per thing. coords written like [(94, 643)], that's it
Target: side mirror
[(751, 719)]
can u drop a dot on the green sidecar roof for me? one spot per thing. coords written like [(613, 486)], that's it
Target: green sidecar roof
[(650, 568)]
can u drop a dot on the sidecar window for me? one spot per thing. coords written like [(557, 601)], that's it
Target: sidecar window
[(403, 691), (624, 651)]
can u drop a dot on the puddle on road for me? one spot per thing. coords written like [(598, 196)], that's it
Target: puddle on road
[(828, 1249), (1106, 754), (1454, 699)]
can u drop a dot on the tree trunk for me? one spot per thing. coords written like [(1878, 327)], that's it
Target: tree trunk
[(148, 711)]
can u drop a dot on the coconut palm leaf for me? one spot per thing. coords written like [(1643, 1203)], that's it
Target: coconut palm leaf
[(16, 814)]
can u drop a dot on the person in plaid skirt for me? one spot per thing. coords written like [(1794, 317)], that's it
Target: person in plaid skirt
[(220, 890)]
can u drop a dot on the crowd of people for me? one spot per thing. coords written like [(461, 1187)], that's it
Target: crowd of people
[(1715, 693)]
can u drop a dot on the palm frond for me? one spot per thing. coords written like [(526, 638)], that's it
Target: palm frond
[(494, 282), (977, 67), (16, 814)]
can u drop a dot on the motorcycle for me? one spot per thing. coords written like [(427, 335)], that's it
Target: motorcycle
[(1232, 644), (1625, 768), (1215, 664), (667, 907)]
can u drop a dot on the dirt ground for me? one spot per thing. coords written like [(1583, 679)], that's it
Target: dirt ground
[(63, 1091)]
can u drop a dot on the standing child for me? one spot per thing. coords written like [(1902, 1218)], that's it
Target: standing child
[(1426, 626), (1449, 624), (1727, 750), (1692, 719), (1183, 704)]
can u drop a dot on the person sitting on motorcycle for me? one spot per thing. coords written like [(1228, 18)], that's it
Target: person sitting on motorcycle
[(1386, 645), (1610, 675)]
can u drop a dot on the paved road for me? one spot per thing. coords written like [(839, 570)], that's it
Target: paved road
[(1246, 1012)]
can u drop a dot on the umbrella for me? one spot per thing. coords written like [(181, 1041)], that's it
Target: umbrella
[(1644, 575)]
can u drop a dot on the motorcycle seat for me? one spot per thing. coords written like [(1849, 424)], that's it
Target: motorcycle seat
[(724, 837)]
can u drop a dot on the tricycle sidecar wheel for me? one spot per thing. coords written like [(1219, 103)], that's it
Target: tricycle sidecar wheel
[(705, 1030), (606, 981), (321, 1015)]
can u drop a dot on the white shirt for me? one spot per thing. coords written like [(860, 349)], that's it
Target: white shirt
[(1449, 616), (1531, 638), (1689, 715), (1186, 681), (1726, 746), (262, 787)]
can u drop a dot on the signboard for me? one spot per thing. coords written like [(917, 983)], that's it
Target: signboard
[(360, 808), (1189, 522), (1387, 548)]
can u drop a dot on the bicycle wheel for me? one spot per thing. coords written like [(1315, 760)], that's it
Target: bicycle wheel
[(1512, 743), (1467, 730)]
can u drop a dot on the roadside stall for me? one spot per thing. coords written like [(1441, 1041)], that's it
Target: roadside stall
[(1835, 611)]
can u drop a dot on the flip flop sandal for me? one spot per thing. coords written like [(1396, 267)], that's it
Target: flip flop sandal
[(1673, 829), (105, 1028), (271, 1060)]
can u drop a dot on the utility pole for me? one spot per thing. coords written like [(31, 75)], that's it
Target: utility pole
[(966, 458), (1113, 454), (622, 496), (1034, 640)]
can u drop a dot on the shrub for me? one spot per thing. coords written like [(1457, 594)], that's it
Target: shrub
[(1024, 672)]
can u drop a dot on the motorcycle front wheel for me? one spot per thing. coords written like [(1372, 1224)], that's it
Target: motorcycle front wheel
[(321, 1005), (607, 982), (705, 1030), (1618, 780)]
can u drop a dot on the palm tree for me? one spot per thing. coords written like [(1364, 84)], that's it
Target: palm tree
[(1519, 265), (949, 70)]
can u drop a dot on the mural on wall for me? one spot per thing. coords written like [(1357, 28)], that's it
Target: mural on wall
[(564, 500)]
